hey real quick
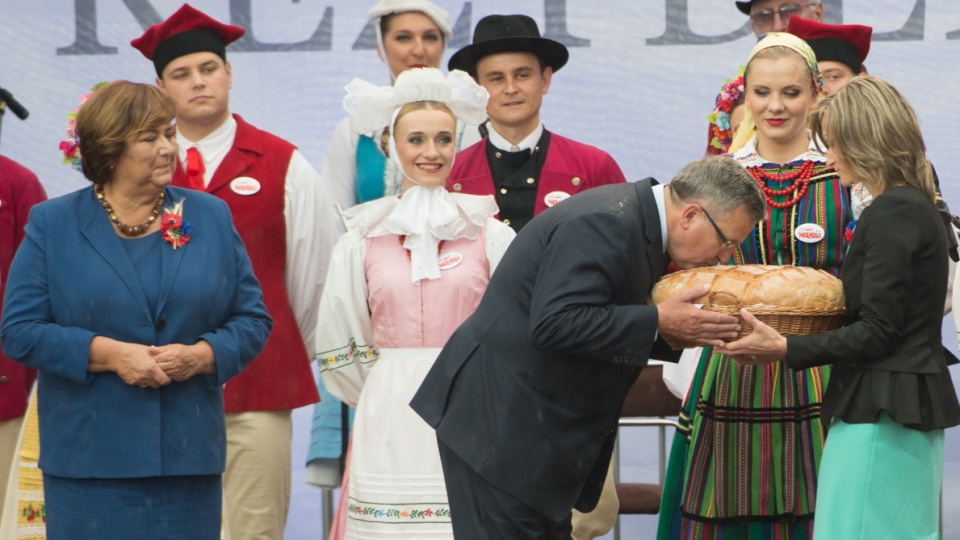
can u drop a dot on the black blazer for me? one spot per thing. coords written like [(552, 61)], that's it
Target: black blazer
[(528, 390), (895, 283)]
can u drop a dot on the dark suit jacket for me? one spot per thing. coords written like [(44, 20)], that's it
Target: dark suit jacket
[(528, 390), (894, 280), (72, 280)]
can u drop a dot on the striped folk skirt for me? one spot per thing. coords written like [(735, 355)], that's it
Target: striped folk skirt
[(744, 462)]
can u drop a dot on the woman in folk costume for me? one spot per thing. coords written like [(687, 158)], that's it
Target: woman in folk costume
[(744, 464), (407, 272), (409, 34)]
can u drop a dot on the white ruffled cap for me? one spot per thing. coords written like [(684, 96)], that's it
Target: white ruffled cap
[(439, 15), (371, 107)]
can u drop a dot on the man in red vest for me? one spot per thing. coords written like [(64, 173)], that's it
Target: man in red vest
[(281, 210), (19, 191)]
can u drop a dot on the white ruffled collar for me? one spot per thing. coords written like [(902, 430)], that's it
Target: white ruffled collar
[(748, 157), (425, 216)]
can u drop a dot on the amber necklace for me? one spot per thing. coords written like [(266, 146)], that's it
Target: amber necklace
[(129, 230)]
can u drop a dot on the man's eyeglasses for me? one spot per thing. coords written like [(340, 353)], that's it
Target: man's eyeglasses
[(725, 243), (765, 18)]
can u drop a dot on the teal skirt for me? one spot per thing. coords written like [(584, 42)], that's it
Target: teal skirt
[(879, 481)]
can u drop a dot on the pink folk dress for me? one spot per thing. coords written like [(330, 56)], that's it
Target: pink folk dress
[(394, 484)]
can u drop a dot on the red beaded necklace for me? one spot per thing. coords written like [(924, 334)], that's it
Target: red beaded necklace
[(801, 182)]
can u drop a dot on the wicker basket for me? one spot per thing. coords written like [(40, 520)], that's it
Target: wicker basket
[(789, 321)]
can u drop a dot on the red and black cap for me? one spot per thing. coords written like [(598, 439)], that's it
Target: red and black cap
[(185, 32)]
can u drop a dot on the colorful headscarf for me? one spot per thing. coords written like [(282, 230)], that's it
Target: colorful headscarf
[(776, 39)]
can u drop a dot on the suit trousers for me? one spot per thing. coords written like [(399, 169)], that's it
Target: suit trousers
[(482, 511), (256, 484), (599, 521)]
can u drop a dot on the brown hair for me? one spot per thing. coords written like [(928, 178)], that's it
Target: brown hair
[(114, 116), (877, 134), (407, 108)]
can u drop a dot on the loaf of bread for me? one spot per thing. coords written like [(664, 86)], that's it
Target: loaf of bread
[(754, 284)]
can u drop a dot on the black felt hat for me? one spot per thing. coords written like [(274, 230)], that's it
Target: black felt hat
[(508, 33)]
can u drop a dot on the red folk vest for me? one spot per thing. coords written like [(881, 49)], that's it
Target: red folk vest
[(280, 378)]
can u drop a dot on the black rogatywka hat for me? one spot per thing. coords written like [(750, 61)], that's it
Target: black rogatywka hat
[(508, 33)]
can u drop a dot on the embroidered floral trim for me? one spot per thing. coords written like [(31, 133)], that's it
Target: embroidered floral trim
[(344, 356), (176, 230), (31, 514), (406, 513)]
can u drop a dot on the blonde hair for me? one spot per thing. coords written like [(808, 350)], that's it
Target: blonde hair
[(877, 134), (113, 117), (773, 46), (408, 108)]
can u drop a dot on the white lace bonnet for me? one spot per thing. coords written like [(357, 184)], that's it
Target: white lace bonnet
[(372, 107)]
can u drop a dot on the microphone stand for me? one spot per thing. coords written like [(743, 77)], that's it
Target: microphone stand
[(8, 101)]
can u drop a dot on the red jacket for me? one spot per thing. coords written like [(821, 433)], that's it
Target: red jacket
[(570, 167), (280, 378), (19, 191)]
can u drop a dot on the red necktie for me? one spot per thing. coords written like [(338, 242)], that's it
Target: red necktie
[(195, 169)]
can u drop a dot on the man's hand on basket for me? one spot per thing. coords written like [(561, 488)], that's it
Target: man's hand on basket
[(763, 346), (679, 318)]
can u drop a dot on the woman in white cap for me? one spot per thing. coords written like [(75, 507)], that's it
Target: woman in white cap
[(407, 272), (410, 34), (744, 464)]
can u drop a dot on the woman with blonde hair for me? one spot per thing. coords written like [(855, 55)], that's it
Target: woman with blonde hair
[(744, 464), (408, 271), (409, 34), (890, 395)]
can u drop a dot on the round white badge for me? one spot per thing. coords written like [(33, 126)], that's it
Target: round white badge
[(449, 259), (245, 185), (810, 233), (554, 197)]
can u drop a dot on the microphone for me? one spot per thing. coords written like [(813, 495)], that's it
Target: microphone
[(13, 104)]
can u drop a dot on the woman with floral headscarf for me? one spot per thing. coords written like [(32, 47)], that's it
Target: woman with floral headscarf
[(744, 463), (408, 271)]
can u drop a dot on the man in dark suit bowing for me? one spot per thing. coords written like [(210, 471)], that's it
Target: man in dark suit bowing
[(525, 396)]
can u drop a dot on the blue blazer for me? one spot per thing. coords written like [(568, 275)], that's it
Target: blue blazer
[(72, 280)]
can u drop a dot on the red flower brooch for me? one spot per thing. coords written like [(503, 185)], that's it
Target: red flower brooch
[(175, 229)]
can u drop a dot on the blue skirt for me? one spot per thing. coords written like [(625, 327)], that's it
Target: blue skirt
[(157, 508), (879, 481)]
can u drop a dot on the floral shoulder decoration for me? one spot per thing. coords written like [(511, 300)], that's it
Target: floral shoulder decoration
[(721, 134), (71, 146), (175, 229)]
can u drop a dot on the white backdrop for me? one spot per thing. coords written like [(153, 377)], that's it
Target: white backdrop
[(643, 103), (624, 89)]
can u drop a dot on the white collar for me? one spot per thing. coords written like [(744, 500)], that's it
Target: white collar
[(212, 147), (662, 210), (528, 142), (748, 156)]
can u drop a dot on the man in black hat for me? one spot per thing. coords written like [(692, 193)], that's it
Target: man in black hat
[(527, 168)]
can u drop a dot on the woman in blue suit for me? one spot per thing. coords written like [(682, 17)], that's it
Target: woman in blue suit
[(136, 303)]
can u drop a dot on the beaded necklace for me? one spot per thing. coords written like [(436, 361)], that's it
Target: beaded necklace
[(801, 182), (129, 230)]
